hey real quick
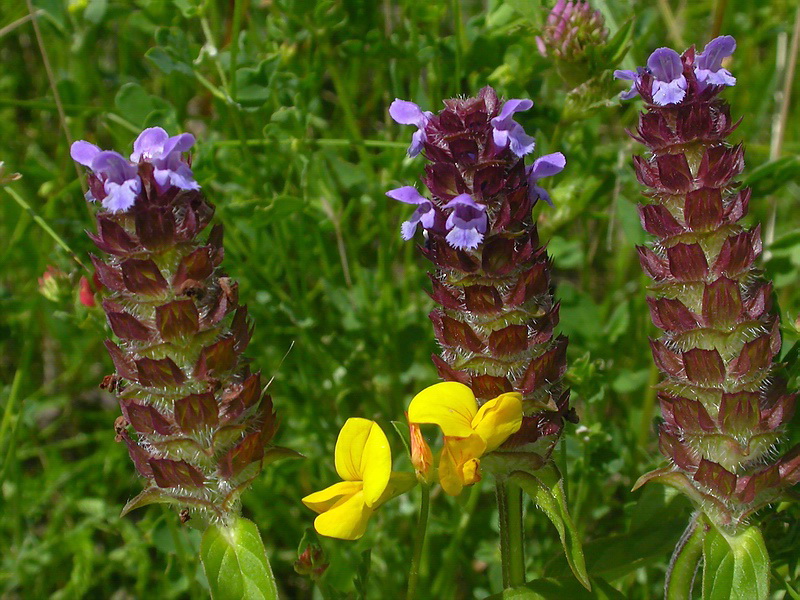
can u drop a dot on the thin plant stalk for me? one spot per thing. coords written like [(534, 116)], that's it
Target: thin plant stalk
[(419, 540), (512, 552)]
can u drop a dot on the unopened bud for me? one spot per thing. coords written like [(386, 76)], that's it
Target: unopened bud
[(311, 562), (86, 293), (571, 28), (421, 455)]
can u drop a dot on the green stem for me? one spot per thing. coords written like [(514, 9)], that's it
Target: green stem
[(43, 224), (6, 427), (502, 517), (238, 5), (648, 406), (686, 558), (448, 565), (419, 541), (672, 24), (348, 109), (509, 508), (460, 45), (515, 536)]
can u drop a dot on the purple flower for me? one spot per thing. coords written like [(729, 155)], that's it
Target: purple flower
[(424, 213), (408, 113), (708, 64), (505, 130), (155, 146), (467, 223), (120, 178), (635, 77), (544, 166), (669, 84)]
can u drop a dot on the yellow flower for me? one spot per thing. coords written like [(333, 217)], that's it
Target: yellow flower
[(364, 460), (469, 431)]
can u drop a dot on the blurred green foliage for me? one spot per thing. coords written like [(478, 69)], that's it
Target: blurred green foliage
[(288, 100)]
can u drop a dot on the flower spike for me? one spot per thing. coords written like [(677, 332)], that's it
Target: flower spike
[(496, 313), (195, 420), (724, 407)]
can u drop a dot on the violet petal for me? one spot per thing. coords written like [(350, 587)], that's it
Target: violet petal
[(407, 194), (82, 152)]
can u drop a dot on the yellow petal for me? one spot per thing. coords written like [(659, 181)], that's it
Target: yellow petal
[(330, 496), (346, 520), (470, 471), (448, 473), (498, 419), (376, 465), (458, 464), (449, 405), (363, 454)]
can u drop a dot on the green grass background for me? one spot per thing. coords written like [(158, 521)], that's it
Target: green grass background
[(297, 169)]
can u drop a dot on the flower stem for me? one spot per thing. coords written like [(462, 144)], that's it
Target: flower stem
[(442, 585), (509, 507), (685, 560), (234, 47), (419, 540)]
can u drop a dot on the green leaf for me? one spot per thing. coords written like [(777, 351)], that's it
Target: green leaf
[(54, 10), (135, 104), (547, 491), (402, 430), (685, 560), (96, 11), (736, 567), (362, 574), (530, 9), (235, 562), (254, 84), (786, 243), (167, 64), (767, 178), (618, 46)]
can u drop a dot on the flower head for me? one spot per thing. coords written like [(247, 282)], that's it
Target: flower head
[(571, 28), (669, 83), (408, 113), (506, 131), (424, 215), (708, 64), (363, 460), (120, 179), (467, 223), (666, 69), (86, 293), (155, 146), (544, 166), (469, 431)]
